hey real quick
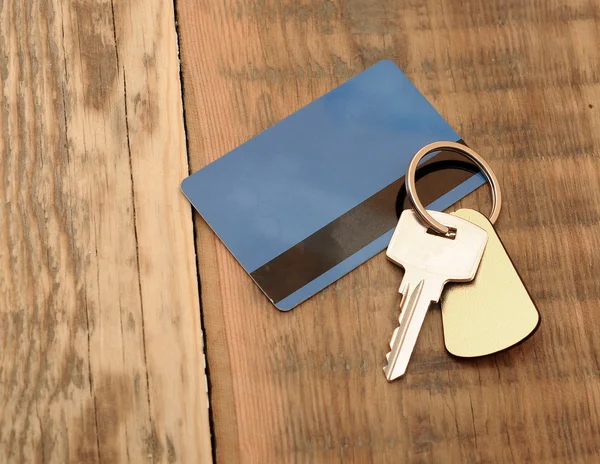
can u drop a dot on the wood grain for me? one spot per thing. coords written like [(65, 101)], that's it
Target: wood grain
[(520, 81), (100, 339)]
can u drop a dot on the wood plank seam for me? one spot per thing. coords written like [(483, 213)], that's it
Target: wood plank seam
[(207, 375)]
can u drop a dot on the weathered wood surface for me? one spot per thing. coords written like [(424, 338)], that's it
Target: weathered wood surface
[(100, 338), (520, 81)]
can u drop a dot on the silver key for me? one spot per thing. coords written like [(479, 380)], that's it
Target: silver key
[(429, 262)]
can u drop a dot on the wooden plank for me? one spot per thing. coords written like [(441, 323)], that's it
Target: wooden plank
[(520, 81), (101, 346)]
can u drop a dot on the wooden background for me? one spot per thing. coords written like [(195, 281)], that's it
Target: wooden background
[(102, 260)]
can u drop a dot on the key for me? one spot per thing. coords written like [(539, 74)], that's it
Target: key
[(492, 313), (429, 261)]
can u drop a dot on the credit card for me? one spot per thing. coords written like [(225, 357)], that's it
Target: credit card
[(319, 193)]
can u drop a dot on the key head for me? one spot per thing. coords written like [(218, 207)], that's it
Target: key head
[(418, 251)]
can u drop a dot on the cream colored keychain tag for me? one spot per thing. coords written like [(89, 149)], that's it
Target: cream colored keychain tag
[(494, 311)]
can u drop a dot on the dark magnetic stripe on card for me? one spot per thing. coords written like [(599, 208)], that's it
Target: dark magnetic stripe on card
[(358, 227)]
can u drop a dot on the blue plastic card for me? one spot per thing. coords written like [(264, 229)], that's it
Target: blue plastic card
[(319, 193)]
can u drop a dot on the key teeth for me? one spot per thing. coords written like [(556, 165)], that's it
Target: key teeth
[(389, 353), (394, 334)]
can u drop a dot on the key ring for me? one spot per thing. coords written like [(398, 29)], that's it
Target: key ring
[(411, 190)]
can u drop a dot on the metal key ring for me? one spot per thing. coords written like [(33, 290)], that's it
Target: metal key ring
[(411, 190)]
